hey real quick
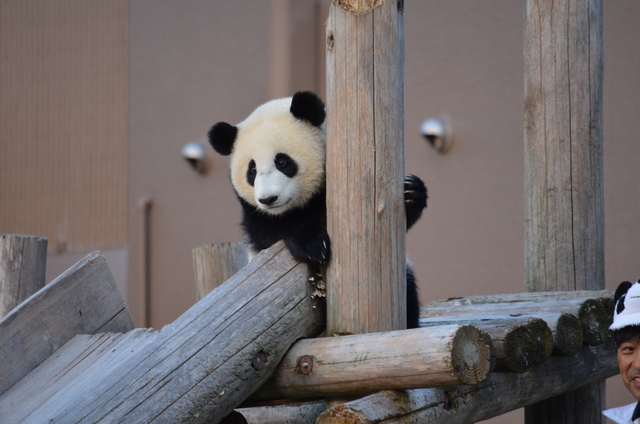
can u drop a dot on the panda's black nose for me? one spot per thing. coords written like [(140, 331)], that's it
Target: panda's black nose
[(268, 200)]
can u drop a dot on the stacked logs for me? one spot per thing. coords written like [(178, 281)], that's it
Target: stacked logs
[(527, 328), (537, 337)]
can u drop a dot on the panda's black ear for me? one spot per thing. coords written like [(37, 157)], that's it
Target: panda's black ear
[(307, 106), (222, 136), (622, 289)]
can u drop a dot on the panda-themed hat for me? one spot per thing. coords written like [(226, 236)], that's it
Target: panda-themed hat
[(627, 305)]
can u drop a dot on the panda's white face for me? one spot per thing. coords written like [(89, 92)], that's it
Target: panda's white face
[(278, 161)]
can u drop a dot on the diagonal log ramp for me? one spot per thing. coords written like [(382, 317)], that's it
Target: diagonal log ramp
[(196, 369)]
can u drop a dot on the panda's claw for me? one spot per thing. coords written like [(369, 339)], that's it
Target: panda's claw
[(415, 198)]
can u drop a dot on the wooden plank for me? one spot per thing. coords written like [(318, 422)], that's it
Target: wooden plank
[(213, 264), (497, 394), (197, 368), (83, 300), (564, 196), (366, 289), (23, 262), (365, 363)]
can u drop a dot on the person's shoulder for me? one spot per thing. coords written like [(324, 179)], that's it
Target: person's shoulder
[(622, 414)]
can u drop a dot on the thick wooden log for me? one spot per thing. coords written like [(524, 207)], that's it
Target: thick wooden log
[(83, 300), (213, 264), (196, 369), (592, 313), (366, 289), (23, 262), (365, 363), (520, 341), (497, 394), (563, 143)]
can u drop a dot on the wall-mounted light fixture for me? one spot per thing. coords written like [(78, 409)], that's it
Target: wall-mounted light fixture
[(437, 133), (194, 153)]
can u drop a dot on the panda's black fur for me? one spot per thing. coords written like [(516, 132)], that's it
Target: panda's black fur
[(302, 226)]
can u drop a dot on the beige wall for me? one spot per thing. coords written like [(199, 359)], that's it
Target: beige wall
[(64, 121)]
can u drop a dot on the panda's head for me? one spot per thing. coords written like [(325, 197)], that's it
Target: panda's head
[(277, 152)]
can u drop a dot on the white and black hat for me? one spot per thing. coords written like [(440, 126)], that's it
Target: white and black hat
[(627, 305)]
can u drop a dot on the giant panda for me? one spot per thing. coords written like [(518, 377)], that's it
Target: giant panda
[(277, 170)]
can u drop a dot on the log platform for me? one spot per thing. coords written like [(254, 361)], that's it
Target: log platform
[(71, 353)]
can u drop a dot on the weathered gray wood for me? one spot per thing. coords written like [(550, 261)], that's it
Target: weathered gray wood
[(520, 341), (563, 55), (196, 369), (497, 394), (83, 300), (213, 264), (23, 262), (304, 413), (564, 200), (521, 297), (365, 363), (366, 289), (592, 313)]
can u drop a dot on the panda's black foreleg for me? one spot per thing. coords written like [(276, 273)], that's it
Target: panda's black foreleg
[(415, 198), (310, 248), (413, 300)]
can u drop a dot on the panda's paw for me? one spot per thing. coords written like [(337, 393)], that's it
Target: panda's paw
[(315, 251), (415, 198)]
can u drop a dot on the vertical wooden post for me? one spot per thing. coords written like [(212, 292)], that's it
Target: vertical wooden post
[(366, 290), (23, 262), (564, 206), (213, 264)]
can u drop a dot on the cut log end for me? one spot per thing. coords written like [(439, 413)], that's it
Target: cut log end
[(470, 355), (568, 336), (595, 322), (519, 347)]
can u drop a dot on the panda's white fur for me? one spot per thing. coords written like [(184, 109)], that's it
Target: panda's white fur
[(272, 129)]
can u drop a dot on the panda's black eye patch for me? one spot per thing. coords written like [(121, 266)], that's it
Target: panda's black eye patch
[(286, 165), (251, 172)]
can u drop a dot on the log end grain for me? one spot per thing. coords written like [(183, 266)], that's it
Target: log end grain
[(595, 322), (568, 336), (519, 347), (543, 339), (470, 355)]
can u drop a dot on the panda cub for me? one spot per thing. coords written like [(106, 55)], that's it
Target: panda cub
[(278, 173)]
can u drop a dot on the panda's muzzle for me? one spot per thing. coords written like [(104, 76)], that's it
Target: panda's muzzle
[(268, 201)]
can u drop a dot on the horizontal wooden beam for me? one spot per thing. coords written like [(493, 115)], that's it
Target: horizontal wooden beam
[(366, 363), (496, 395), (594, 312)]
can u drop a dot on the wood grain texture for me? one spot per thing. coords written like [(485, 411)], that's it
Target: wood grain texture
[(305, 413), (365, 363), (564, 203), (593, 313), (530, 336), (497, 394), (213, 264), (564, 200), (366, 289), (196, 369), (23, 262), (83, 300)]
